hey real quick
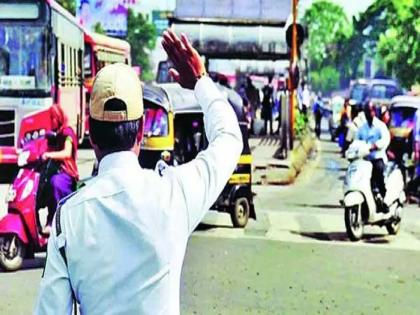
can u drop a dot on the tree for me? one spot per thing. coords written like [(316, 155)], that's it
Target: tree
[(325, 80), (142, 37), (398, 47), (69, 5), (326, 23), (97, 28), (329, 29)]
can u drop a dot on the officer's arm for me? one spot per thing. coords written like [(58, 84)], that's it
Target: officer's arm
[(55, 294), (385, 139), (202, 180)]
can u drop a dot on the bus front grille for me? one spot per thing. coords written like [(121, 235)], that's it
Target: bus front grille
[(7, 127)]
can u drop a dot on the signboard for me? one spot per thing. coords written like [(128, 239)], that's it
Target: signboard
[(110, 14), (274, 11), (17, 82), (246, 40), (160, 20)]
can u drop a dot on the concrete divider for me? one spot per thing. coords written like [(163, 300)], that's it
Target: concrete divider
[(284, 172)]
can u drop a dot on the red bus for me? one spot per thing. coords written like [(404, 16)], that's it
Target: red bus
[(101, 50), (41, 60)]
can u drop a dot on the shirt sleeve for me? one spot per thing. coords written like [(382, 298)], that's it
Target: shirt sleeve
[(385, 139), (55, 295), (202, 180)]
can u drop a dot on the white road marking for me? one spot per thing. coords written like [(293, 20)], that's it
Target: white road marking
[(306, 227)]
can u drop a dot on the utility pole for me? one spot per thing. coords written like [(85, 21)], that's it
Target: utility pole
[(293, 75)]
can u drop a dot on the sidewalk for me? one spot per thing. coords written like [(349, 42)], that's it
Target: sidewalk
[(268, 170)]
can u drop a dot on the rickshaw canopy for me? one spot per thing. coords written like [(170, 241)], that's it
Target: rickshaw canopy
[(406, 101)]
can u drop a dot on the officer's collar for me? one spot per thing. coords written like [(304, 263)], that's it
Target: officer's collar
[(120, 160)]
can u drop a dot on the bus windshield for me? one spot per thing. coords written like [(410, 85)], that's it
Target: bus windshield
[(23, 57)]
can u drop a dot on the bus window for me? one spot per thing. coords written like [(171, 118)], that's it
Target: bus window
[(87, 61), (23, 58), (62, 64)]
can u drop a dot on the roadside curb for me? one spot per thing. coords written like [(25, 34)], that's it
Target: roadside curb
[(285, 172)]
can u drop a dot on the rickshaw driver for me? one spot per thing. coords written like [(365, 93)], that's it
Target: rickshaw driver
[(117, 245)]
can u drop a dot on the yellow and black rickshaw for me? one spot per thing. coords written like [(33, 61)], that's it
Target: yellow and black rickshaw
[(403, 112), (174, 132)]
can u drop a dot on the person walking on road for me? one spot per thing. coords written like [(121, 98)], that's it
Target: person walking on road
[(267, 106), (118, 244), (253, 98), (317, 111)]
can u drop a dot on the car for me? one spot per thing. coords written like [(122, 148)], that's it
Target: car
[(379, 90)]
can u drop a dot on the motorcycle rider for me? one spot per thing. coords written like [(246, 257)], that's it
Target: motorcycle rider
[(375, 132), (63, 151)]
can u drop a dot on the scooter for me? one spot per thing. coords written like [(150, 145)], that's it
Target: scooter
[(362, 204), (20, 229)]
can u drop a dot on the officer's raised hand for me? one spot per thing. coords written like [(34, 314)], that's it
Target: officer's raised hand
[(188, 66)]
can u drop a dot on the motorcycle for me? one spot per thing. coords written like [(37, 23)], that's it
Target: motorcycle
[(20, 229), (364, 205)]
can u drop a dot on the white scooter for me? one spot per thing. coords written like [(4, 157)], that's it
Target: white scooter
[(361, 204)]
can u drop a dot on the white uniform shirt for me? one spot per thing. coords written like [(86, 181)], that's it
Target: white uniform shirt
[(377, 134), (126, 232)]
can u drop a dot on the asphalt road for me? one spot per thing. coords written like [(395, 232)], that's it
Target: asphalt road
[(296, 259)]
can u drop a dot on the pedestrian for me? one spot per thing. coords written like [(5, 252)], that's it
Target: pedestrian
[(280, 98), (253, 98), (345, 120), (63, 151), (317, 111), (267, 106), (305, 99), (118, 244)]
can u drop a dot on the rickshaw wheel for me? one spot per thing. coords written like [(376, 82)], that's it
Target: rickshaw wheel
[(240, 212)]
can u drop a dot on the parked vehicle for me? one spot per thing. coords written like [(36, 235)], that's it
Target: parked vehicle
[(20, 229), (174, 132), (101, 50), (361, 204), (402, 124)]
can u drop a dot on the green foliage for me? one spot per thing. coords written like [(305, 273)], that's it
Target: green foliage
[(69, 5), (142, 37), (388, 31), (301, 124), (97, 28), (327, 23), (398, 47), (326, 79)]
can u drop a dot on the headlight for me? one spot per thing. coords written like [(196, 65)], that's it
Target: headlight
[(35, 135), (27, 190), (11, 194), (23, 158)]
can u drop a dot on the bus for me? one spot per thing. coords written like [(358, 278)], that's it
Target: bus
[(101, 50), (41, 56)]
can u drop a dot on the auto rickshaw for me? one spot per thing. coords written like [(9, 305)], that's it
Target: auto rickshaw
[(403, 121), (174, 132)]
